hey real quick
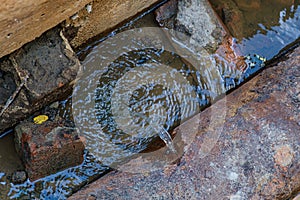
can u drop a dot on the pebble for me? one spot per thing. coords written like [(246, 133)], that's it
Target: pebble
[(18, 177), (284, 156)]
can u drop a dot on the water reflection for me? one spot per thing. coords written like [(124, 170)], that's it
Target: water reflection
[(135, 87), (9, 162), (262, 27), (272, 40), (265, 31), (142, 99), (61, 184)]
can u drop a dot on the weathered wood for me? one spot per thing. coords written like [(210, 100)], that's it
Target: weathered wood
[(102, 16), (21, 21)]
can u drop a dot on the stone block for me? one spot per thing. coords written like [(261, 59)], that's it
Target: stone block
[(207, 36), (35, 75), (48, 147)]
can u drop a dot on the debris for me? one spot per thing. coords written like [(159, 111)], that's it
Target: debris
[(13, 96), (40, 119)]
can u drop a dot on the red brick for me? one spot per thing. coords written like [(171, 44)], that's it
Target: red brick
[(48, 148)]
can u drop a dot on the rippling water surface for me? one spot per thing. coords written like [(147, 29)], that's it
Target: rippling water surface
[(266, 27), (136, 100)]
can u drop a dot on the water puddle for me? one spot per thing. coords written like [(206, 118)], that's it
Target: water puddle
[(146, 108), (261, 27), (59, 185)]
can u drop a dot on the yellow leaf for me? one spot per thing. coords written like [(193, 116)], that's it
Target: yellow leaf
[(40, 119)]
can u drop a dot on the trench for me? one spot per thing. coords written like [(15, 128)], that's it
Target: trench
[(269, 33)]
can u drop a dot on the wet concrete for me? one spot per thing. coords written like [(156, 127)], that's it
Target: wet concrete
[(196, 19), (200, 21), (256, 157)]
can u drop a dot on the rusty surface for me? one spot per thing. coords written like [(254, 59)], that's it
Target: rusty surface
[(48, 147), (256, 157)]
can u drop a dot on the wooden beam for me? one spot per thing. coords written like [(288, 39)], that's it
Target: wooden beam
[(103, 16), (21, 21)]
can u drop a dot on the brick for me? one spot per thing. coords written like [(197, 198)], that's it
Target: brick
[(48, 148)]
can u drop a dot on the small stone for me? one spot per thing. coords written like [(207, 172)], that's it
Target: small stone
[(297, 197), (235, 197), (18, 177), (91, 197), (284, 156), (54, 105), (165, 15), (208, 174), (233, 176)]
